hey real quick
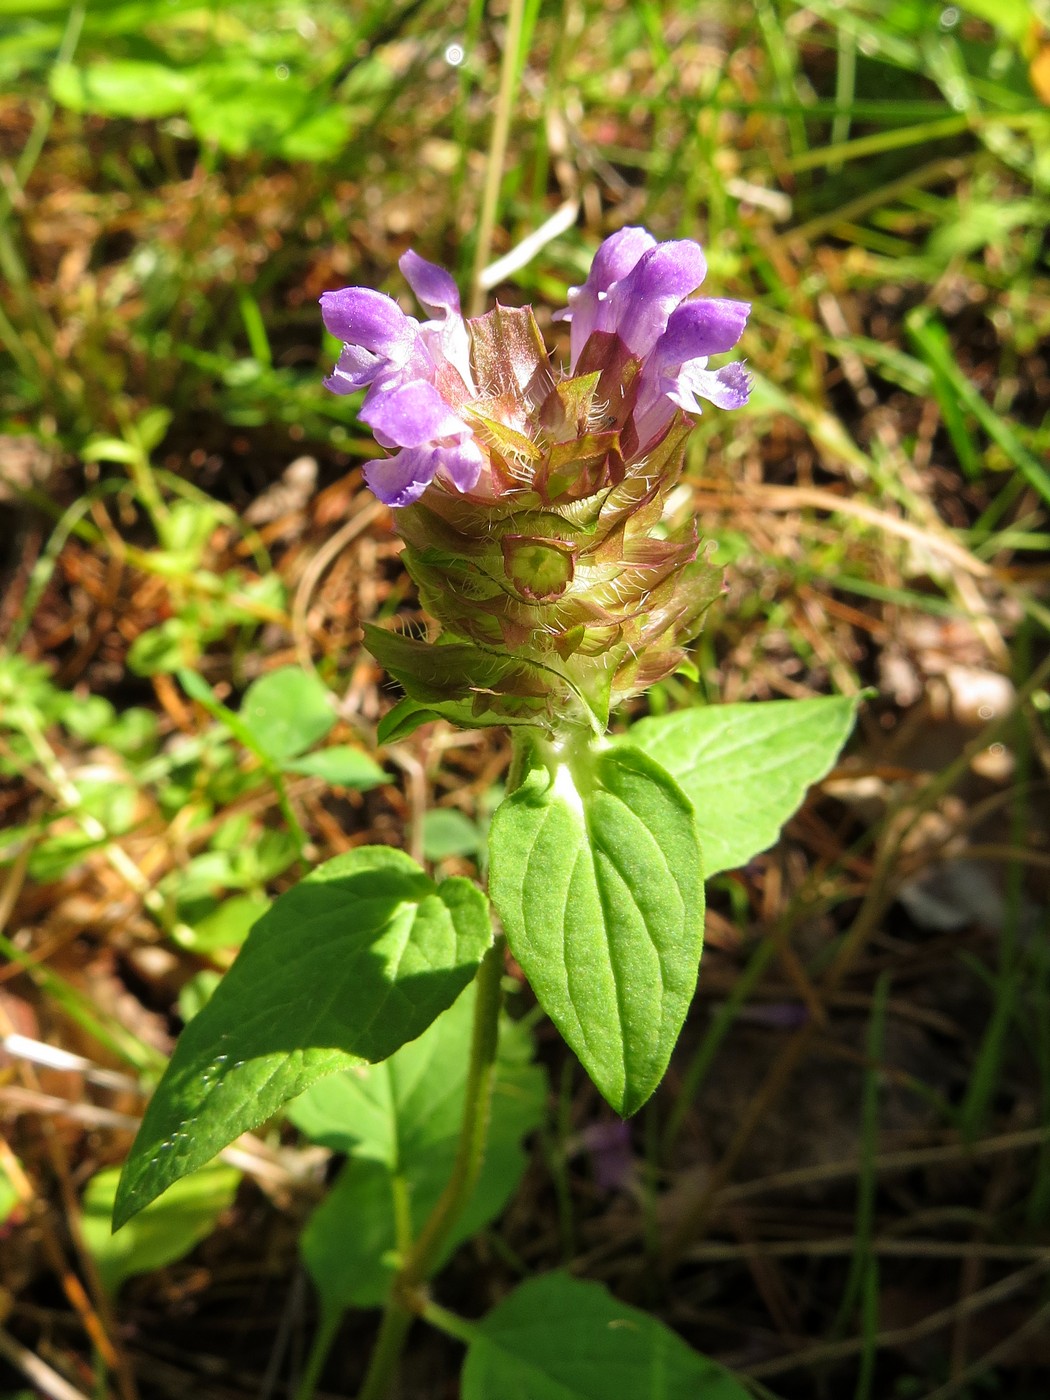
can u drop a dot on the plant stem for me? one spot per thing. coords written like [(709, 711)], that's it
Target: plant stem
[(422, 1258), (474, 1130), (392, 1332), (448, 1322), (321, 1346)]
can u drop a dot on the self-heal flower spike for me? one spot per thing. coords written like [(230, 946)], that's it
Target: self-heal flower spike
[(532, 501)]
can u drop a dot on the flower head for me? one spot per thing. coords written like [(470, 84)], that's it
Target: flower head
[(531, 500)]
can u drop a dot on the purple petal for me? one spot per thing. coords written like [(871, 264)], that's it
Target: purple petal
[(448, 340), (728, 387), (613, 260), (435, 290), (401, 479), (707, 326), (638, 307), (652, 413), (354, 369), (411, 416), (359, 316), (617, 256), (676, 371), (462, 463)]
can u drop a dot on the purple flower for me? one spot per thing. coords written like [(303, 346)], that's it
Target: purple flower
[(636, 289), (612, 262), (638, 305), (474, 406), (535, 501), (432, 438), (676, 375), (381, 343), (399, 361)]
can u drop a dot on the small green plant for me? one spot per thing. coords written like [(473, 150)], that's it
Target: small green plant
[(536, 511)]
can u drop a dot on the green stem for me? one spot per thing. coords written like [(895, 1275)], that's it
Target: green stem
[(391, 1340), (422, 1258), (448, 1322), (321, 1346), (470, 1151)]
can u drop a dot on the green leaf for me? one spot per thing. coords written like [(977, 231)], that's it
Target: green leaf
[(559, 1338), (433, 673), (286, 711), (286, 115), (188, 527), (132, 733), (355, 960), (407, 715), (163, 649), (111, 803), (340, 765), (151, 428), (107, 449), (197, 992), (595, 871), (400, 1121), (55, 857), (447, 832), (404, 719), (225, 927), (87, 716), (746, 768), (319, 135), (164, 1232)]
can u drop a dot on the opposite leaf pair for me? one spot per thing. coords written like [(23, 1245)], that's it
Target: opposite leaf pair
[(596, 875)]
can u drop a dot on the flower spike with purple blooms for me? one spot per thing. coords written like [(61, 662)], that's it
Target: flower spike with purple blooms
[(531, 500)]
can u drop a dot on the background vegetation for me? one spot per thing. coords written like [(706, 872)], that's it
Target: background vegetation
[(843, 1187)]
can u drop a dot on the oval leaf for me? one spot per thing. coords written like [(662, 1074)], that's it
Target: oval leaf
[(448, 832), (596, 875), (358, 958), (286, 711), (557, 1338), (746, 768)]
